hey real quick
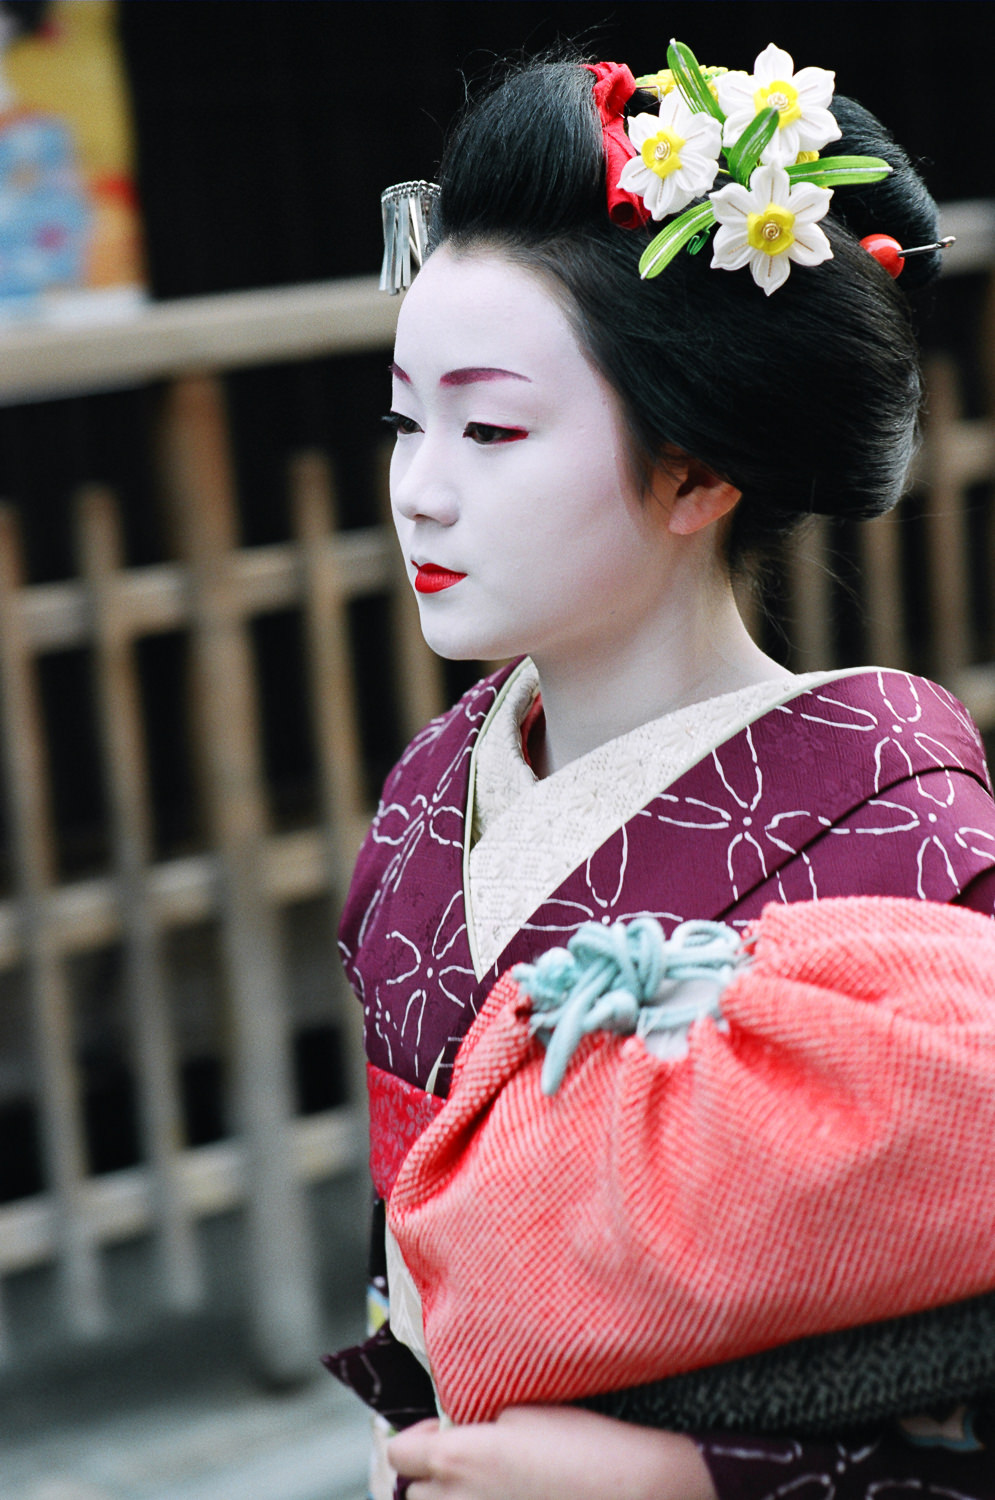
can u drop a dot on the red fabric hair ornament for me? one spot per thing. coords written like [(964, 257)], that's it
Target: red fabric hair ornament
[(820, 1161), (614, 87)]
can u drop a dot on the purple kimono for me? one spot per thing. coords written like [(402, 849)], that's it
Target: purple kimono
[(872, 784)]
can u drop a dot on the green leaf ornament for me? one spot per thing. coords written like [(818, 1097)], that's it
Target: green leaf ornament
[(691, 81), (742, 158), (839, 171), (670, 241)]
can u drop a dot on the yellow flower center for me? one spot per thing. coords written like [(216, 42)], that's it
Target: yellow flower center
[(781, 96), (661, 153), (771, 231)]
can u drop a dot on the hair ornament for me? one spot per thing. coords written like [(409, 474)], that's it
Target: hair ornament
[(801, 100), (613, 88), (407, 210), (889, 253), (664, 82), (753, 154), (678, 156)]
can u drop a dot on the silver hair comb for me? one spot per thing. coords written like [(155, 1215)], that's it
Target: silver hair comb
[(407, 211)]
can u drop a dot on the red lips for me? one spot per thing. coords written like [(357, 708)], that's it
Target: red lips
[(430, 579)]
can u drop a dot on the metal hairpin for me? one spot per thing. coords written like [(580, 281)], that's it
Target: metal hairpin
[(407, 211), (943, 244)]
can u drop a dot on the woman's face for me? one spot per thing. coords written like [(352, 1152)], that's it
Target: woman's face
[(522, 527)]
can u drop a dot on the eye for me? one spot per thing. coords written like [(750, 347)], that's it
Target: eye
[(487, 436), (399, 425)]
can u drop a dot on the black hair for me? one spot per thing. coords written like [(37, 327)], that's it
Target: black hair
[(807, 400)]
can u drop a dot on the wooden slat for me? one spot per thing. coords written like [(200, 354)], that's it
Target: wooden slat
[(197, 470), (987, 350), (972, 222), (153, 600), (30, 823), (334, 715), (975, 687), (975, 684), (196, 333), (212, 1179), (84, 915), (811, 596), (324, 593), (881, 568), (945, 520), (125, 769)]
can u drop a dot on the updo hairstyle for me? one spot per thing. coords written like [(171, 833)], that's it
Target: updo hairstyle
[(806, 400)]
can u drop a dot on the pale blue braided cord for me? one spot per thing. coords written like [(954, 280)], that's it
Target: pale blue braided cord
[(611, 979)]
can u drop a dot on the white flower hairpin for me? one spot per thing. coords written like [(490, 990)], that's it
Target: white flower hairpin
[(802, 101), (768, 225), (678, 156), (760, 133)]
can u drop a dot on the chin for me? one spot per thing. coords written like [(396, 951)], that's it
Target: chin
[(466, 652), (453, 647)]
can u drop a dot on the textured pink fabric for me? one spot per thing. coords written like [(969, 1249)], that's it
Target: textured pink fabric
[(399, 1113), (824, 1163)]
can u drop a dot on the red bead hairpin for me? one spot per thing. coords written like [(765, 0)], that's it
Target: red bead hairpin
[(889, 253)]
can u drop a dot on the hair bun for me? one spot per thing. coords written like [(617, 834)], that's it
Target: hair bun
[(900, 205)]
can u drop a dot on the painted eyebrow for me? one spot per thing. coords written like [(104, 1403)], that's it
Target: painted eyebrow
[(475, 373), (470, 375)]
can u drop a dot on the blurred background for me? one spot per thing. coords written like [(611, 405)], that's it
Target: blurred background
[(208, 661)]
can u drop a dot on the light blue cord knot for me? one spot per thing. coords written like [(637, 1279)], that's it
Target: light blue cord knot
[(624, 978)]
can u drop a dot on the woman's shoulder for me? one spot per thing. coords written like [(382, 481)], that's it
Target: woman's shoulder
[(896, 704), (883, 683)]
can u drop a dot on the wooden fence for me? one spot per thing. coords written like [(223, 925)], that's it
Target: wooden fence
[(249, 874)]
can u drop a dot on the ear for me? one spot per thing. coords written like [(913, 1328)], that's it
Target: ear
[(701, 498)]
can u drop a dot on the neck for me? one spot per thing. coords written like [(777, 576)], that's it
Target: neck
[(682, 657)]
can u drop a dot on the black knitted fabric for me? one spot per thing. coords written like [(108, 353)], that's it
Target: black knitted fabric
[(843, 1380)]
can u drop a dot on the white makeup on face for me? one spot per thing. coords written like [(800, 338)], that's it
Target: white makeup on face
[(521, 525)]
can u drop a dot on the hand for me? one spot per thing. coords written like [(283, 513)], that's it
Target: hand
[(549, 1453)]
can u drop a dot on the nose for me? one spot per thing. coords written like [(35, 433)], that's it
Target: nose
[(421, 483)]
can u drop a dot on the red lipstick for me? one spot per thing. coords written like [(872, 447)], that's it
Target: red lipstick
[(430, 579)]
